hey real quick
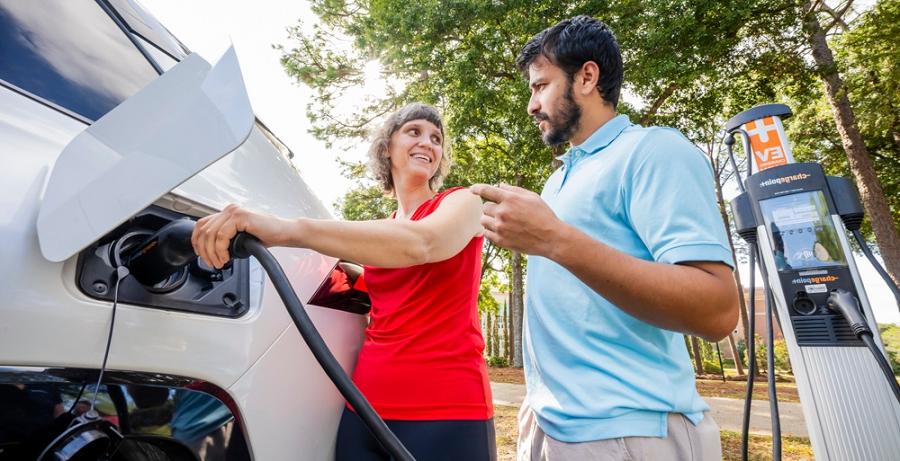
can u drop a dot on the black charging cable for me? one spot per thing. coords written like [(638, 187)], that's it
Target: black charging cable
[(728, 140), (751, 361), (844, 303), (884, 275), (121, 273), (770, 357), (245, 245)]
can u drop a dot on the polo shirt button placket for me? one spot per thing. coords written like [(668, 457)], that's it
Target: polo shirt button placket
[(568, 163)]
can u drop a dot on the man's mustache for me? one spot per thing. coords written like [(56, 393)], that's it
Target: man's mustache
[(540, 117)]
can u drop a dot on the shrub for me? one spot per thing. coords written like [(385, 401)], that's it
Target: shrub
[(761, 354), (742, 351), (782, 362), (497, 362), (710, 366)]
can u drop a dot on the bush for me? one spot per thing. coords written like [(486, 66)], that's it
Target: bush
[(890, 335), (742, 351), (782, 362), (710, 366), (497, 362), (894, 358), (761, 354)]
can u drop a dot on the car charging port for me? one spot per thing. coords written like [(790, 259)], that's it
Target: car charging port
[(803, 304), (124, 248), (164, 272)]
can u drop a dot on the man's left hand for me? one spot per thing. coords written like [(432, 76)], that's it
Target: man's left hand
[(517, 219)]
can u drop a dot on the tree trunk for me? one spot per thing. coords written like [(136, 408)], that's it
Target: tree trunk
[(698, 356), (735, 355), (488, 335), (507, 325), (496, 325), (492, 331), (498, 349), (516, 310), (858, 158)]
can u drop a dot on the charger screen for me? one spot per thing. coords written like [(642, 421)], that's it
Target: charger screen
[(802, 232)]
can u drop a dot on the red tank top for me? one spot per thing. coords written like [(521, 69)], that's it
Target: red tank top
[(422, 355)]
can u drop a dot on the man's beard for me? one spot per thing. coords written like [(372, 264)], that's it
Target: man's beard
[(562, 129)]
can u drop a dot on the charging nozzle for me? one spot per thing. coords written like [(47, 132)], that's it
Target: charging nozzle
[(239, 248), (162, 254), (844, 303)]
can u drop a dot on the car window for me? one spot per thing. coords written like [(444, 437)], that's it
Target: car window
[(71, 54), (162, 59), (147, 27)]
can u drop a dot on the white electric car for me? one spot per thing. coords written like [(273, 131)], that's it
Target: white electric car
[(109, 130)]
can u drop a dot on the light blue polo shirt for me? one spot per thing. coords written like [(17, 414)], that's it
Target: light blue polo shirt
[(593, 371)]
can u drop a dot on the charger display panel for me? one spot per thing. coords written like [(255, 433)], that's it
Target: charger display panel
[(803, 235)]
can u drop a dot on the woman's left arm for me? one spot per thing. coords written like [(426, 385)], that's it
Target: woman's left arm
[(382, 243)]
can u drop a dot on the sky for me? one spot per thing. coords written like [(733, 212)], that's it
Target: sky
[(209, 27)]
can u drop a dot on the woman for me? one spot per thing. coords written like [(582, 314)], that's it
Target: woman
[(421, 364)]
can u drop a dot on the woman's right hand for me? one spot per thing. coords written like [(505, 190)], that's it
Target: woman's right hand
[(212, 235)]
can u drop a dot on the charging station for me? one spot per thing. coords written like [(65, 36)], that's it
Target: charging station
[(796, 219)]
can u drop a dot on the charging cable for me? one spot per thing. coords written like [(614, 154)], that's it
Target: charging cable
[(843, 302), (121, 273), (751, 360), (770, 359), (245, 245), (884, 275)]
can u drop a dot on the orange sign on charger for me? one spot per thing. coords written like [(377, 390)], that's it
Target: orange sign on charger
[(768, 143)]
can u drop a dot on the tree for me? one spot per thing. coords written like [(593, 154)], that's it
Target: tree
[(859, 66), (851, 138), (698, 356)]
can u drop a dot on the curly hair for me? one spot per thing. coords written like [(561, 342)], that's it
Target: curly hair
[(380, 162)]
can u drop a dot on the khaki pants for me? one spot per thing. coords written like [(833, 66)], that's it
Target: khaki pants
[(684, 442)]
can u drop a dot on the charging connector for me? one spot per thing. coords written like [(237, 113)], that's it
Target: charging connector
[(162, 254), (843, 302)]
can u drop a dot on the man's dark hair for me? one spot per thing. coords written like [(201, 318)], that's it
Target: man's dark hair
[(573, 42)]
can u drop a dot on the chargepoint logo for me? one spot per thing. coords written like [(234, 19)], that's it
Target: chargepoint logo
[(810, 280), (784, 180)]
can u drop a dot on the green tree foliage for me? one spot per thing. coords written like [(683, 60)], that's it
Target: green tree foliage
[(365, 203), (869, 62), (693, 64), (486, 301)]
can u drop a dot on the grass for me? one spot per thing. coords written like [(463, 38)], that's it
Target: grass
[(793, 448), (787, 392)]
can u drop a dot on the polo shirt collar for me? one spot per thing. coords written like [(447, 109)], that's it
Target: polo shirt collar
[(601, 138)]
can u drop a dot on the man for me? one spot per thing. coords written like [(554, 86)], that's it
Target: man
[(627, 251)]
